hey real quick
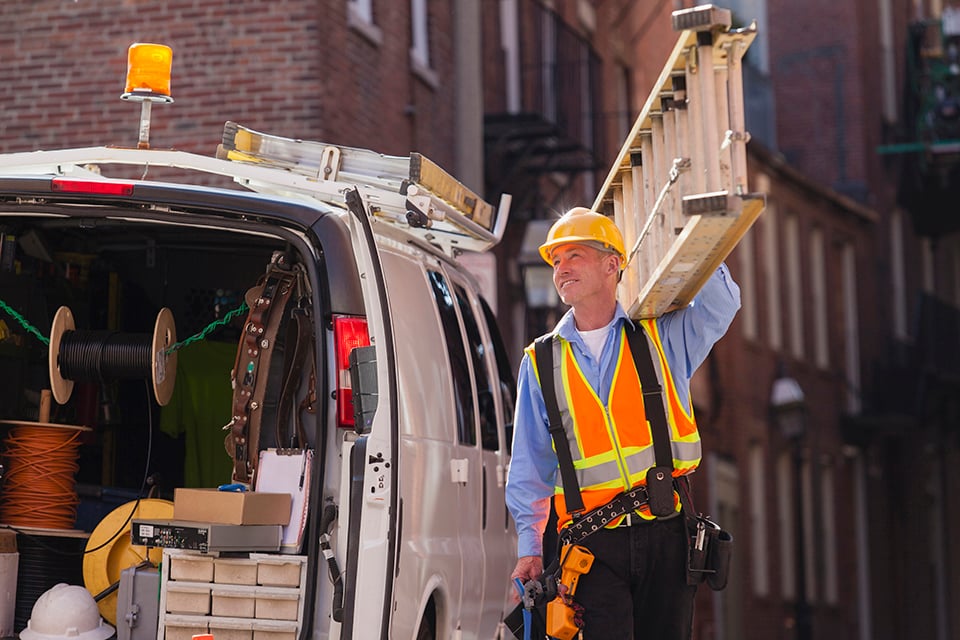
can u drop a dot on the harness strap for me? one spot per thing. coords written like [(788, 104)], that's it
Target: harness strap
[(652, 396), (543, 348)]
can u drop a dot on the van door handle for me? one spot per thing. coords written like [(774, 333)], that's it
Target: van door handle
[(459, 470)]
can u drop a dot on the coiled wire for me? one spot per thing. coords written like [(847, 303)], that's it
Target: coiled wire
[(38, 487), (98, 356)]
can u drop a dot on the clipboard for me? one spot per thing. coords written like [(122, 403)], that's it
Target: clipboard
[(288, 471)]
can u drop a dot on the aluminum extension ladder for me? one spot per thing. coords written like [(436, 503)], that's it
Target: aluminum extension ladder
[(678, 188)]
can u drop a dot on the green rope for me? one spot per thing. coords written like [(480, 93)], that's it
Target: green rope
[(23, 323), (210, 328)]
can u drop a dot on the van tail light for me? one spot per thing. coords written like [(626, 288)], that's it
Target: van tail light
[(349, 332)]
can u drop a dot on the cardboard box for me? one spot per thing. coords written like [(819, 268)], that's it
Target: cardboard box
[(231, 507)]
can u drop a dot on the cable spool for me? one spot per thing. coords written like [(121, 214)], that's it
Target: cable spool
[(104, 355), (38, 486)]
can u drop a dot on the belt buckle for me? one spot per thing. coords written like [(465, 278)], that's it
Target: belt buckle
[(627, 520)]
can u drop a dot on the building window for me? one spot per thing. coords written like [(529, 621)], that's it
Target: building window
[(419, 36), (809, 542), (548, 72), (759, 543), (624, 103), (851, 331), (828, 505), (785, 506), (928, 262), (954, 250), (898, 275), (818, 277), (747, 277), (773, 285), (795, 295), (360, 18), (888, 61), (510, 32)]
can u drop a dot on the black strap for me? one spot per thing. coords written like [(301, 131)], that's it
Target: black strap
[(543, 348), (652, 396), (299, 346)]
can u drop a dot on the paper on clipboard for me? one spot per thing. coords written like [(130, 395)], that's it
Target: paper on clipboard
[(288, 473)]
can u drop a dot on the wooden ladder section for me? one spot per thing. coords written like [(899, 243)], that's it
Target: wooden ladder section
[(678, 188)]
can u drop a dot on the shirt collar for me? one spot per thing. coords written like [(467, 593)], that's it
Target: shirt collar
[(567, 328)]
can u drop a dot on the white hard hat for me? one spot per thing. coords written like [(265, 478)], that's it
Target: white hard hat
[(66, 611)]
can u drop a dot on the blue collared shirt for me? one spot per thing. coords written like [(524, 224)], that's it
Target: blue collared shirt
[(687, 334)]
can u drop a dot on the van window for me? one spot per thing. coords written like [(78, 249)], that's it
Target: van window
[(508, 386), (459, 366), (489, 438)]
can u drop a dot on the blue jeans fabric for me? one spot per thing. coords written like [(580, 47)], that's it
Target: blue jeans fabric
[(637, 588)]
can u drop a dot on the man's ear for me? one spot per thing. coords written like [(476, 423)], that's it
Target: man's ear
[(613, 263)]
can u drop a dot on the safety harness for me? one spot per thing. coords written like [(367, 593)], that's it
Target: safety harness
[(267, 302), (657, 494)]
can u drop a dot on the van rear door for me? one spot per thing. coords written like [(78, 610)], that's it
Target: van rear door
[(368, 514)]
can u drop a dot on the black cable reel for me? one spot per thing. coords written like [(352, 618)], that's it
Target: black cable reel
[(100, 356)]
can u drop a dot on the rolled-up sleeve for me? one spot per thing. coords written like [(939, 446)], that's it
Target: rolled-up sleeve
[(533, 464)]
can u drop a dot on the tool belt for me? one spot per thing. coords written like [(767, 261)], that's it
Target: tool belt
[(267, 302), (593, 521)]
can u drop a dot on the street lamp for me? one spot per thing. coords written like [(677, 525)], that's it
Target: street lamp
[(537, 275), (788, 409)]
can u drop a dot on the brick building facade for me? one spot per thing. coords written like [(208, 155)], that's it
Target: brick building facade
[(534, 98)]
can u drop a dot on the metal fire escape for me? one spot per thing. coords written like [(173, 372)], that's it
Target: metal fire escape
[(557, 129), (929, 141)]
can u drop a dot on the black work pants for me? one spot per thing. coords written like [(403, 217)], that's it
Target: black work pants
[(637, 588)]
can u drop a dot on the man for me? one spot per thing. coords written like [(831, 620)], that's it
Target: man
[(637, 586)]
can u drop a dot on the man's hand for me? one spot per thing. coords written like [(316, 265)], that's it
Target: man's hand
[(528, 568)]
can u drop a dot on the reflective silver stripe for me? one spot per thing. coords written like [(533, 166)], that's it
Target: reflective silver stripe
[(598, 474), (641, 461), (565, 417), (686, 451)]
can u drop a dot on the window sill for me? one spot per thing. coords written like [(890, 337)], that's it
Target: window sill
[(371, 32), (424, 72)]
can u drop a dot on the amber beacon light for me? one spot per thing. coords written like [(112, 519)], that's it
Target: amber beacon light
[(148, 81)]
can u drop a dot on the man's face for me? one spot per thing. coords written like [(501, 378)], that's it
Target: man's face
[(582, 273)]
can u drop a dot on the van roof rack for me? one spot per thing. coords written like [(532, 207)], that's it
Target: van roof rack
[(412, 194)]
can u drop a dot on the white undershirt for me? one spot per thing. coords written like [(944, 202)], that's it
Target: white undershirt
[(594, 340)]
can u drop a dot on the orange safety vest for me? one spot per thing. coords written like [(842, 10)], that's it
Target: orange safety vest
[(611, 443)]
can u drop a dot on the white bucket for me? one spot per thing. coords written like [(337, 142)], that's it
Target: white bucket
[(8, 592)]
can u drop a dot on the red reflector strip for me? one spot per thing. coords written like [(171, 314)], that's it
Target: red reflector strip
[(98, 187)]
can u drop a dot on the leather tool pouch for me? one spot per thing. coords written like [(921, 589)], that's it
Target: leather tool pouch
[(660, 491), (709, 553), (267, 301)]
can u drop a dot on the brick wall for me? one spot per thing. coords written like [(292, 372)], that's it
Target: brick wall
[(289, 67)]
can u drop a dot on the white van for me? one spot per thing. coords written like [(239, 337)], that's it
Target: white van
[(414, 467)]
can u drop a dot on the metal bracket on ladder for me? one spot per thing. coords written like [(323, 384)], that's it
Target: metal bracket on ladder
[(678, 188)]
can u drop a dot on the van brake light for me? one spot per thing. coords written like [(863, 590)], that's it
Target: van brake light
[(349, 332), (96, 187)]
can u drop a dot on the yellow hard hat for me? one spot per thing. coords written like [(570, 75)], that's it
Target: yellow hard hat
[(583, 225)]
